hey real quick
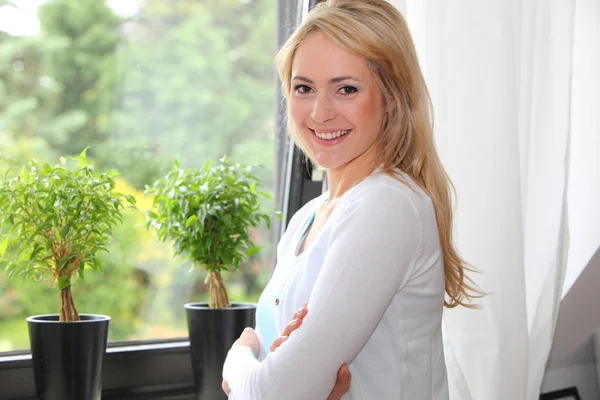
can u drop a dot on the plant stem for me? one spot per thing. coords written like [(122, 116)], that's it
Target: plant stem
[(218, 294), (68, 312)]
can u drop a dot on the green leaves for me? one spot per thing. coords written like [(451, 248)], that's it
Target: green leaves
[(252, 251), (63, 282), (130, 199), (207, 213), (56, 218), (190, 221), (3, 246), (65, 231)]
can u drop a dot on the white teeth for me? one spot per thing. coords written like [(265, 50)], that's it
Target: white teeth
[(330, 135)]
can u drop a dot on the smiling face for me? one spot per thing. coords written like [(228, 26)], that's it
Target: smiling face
[(334, 103)]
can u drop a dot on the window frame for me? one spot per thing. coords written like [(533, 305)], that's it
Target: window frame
[(302, 183)]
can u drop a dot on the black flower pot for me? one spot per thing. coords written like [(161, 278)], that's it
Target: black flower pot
[(68, 356), (212, 332)]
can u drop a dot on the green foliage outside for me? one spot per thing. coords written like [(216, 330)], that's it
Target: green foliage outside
[(187, 79)]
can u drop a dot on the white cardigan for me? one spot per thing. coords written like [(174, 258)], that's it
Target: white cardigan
[(374, 282)]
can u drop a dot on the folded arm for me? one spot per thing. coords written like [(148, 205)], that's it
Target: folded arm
[(372, 251)]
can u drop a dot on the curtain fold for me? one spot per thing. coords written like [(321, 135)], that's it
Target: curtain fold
[(512, 119), (545, 112)]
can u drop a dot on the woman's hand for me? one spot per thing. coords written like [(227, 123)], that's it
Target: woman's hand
[(342, 383), (248, 338), (292, 326)]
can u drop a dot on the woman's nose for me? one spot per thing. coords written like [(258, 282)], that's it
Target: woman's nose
[(323, 109)]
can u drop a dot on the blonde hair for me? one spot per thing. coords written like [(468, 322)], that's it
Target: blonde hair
[(376, 31)]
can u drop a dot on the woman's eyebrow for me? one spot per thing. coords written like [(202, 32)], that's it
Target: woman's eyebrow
[(332, 80)]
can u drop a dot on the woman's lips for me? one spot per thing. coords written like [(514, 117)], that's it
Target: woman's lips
[(330, 142)]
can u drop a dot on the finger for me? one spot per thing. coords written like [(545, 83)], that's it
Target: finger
[(296, 320), (301, 313), (292, 326), (342, 384), (277, 342), (225, 387)]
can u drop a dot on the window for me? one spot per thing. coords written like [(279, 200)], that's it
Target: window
[(158, 78), (141, 83)]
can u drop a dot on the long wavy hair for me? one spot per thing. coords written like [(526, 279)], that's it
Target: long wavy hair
[(376, 31)]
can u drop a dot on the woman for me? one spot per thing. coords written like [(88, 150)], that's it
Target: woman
[(373, 256)]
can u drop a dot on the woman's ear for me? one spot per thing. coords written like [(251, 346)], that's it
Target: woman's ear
[(391, 104)]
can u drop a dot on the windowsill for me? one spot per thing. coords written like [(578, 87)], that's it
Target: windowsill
[(113, 348), (131, 370)]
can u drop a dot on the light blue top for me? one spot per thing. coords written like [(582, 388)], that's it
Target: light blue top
[(265, 311)]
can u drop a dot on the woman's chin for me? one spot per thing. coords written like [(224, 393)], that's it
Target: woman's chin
[(328, 162), (329, 158)]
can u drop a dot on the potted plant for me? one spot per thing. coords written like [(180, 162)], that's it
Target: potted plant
[(53, 222), (206, 214)]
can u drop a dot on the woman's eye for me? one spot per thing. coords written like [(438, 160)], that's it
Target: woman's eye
[(302, 89), (347, 90)]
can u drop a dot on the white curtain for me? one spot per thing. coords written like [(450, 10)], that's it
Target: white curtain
[(516, 95)]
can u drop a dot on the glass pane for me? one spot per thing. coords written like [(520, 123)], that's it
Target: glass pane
[(141, 83)]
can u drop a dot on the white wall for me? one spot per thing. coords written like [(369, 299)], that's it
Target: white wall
[(583, 377), (572, 361), (584, 175)]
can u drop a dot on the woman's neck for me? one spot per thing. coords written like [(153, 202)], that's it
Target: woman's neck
[(343, 178)]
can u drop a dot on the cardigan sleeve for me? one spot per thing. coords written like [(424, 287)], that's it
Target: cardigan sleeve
[(373, 246)]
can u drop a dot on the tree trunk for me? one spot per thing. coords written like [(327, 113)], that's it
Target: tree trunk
[(68, 312), (218, 294)]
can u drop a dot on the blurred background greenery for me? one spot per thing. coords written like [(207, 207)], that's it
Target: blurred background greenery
[(174, 78)]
